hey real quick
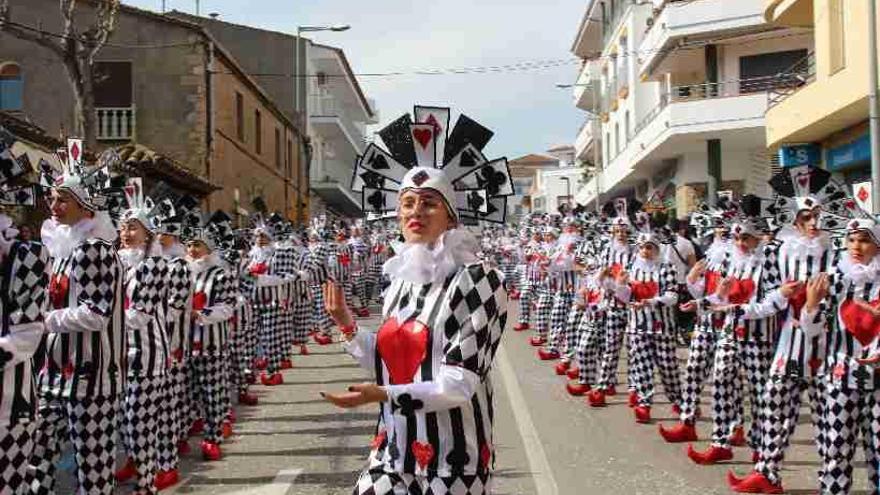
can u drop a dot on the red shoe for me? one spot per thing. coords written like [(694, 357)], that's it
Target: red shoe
[(573, 373), (633, 399), (643, 414), (363, 313), (712, 455), (611, 391), (547, 355), (596, 398), (226, 429), (303, 350), (561, 368), (681, 432), (738, 439), (211, 451), (248, 399), (514, 296), (676, 410), (323, 339), (183, 447), (271, 381), (285, 364), (165, 479), (519, 327), (753, 483), (127, 472), (756, 456), (261, 363), (197, 427), (537, 341), (577, 389)]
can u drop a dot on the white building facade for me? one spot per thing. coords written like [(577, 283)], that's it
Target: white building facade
[(676, 93)]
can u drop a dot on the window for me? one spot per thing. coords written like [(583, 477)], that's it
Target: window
[(607, 146), (289, 156), (760, 72), (11, 87), (626, 128), (258, 131), (617, 138), (837, 39), (278, 148), (113, 85), (239, 116)]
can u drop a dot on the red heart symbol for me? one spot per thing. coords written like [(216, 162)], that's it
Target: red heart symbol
[(402, 348), (423, 452), (593, 297), (59, 285), (839, 370), (378, 440), (814, 364), (643, 290), (67, 371), (741, 291), (803, 180), (177, 354), (127, 303), (740, 332), (423, 136), (859, 322), (797, 300), (486, 454), (345, 259), (712, 279), (197, 346), (200, 300), (615, 270), (259, 269)]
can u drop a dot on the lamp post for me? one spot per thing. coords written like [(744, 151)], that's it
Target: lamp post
[(874, 104)]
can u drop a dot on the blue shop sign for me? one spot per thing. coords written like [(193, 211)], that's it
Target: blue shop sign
[(849, 155), (798, 155)]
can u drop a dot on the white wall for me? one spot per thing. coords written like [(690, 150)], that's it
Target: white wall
[(785, 41)]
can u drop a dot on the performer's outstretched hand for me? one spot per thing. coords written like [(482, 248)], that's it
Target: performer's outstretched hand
[(357, 395), (334, 302)]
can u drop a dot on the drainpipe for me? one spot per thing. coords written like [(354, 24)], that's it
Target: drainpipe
[(209, 109), (874, 105)]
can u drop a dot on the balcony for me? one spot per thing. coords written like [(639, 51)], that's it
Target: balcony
[(583, 144), (116, 123), (792, 80), (587, 86), (792, 13), (330, 120), (695, 21)]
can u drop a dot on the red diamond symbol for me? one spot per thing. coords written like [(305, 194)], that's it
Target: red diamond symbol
[(863, 194), (433, 121), (74, 150)]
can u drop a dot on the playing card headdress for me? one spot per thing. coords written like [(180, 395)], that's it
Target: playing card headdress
[(260, 219), (11, 169), (423, 153), (749, 218), (214, 231), (707, 218), (92, 186), (806, 188), (619, 211)]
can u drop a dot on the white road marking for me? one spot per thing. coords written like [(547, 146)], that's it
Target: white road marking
[(279, 486), (542, 474)]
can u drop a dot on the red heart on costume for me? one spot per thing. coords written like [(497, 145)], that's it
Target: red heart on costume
[(643, 290), (378, 440), (344, 259), (177, 354), (593, 297), (67, 371), (803, 180), (486, 454), (402, 348), (59, 285), (797, 300), (423, 453), (259, 269), (741, 291), (423, 136), (615, 270), (127, 303), (200, 300), (712, 279), (859, 322), (740, 332)]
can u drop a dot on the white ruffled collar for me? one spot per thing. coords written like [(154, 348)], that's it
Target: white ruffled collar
[(422, 264), (62, 239), (801, 245), (259, 254), (175, 250), (200, 265), (860, 273), (645, 265)]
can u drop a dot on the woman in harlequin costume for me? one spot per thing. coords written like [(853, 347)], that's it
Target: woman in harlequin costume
[(543, 289), (209, 328), (617, 255), (588, 330), (444, 316), (647, 287), (146, 295), (800, 252), (530, 279), (360, 252), (174, 423), (82, 379), (744, 346), (844, 304), (379, 250), (566, 263), (320, 252), (701, 282), (24, 266)]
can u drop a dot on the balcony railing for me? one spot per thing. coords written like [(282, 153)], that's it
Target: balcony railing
[(328, 106), (116, 123), (792, 80), (609, 24)]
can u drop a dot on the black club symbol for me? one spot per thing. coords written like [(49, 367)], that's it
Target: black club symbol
[(378, 162), (373, 180), (475, 201), (377, 201), (491, 179), (408, 405)]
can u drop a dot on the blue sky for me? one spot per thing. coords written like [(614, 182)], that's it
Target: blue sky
[(525, 109)]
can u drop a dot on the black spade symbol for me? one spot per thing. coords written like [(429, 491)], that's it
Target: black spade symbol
[(379, 162), (475, 201), (467, 159), (490, 209), (491, 179), (22, 196), (373, 180), (377, 201)]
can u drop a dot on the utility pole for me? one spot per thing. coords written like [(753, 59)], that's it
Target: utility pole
[(874, 104)]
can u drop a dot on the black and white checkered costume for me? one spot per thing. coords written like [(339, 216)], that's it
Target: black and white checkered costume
[(797, 357), (360, 252), (531, 281), (564, 281), (269, 294), (544, 304), (23, 303), (320, 253), (83, 374), (615, 257), (651, 328), (212, 310), (436, 430), (174, 414), (148, 359), (590, 328), (851, 390), (378, 257)]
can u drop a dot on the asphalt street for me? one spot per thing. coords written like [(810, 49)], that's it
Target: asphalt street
[(547, 442)]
